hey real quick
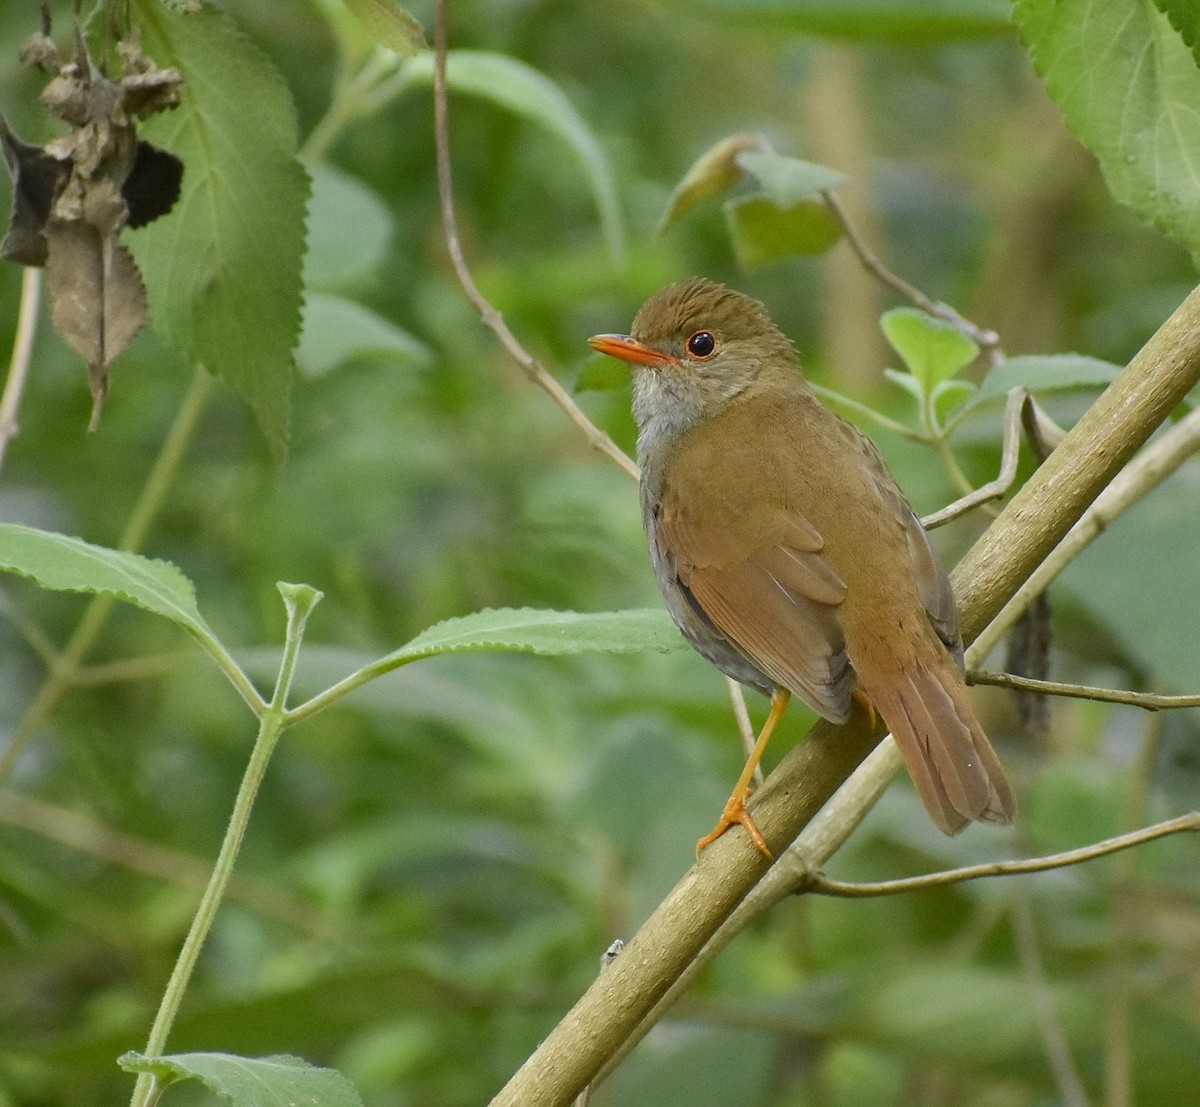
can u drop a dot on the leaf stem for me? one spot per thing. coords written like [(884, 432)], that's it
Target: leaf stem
[(18, 369), (299, 601)]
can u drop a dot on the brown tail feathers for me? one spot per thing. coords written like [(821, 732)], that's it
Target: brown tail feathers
[(957, 773)]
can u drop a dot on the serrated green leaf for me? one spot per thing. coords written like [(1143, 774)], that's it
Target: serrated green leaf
[(390, 25), (522, 89), (223, 269), (1185, 18), (1127, 86), (712, 173), (552, 633), (889, 21), (787, 181), (336, 330), (65, 564), (1048, 373), (932, 349), (762, 231), (279, 1081), (349, 231)]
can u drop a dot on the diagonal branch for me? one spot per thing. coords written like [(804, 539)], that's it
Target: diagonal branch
[(821, 885), (492, 319), (1028, 528)]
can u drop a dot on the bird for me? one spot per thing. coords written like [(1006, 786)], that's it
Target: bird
[(786, 553)]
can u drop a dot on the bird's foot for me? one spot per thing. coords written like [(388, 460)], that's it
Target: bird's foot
[(735, 814)]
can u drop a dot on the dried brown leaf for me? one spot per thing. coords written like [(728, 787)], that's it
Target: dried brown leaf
[(97, 299)]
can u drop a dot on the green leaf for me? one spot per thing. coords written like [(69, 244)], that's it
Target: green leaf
[(390, 25), (952, 394), (713, 172), (908, 382), (1185, 18), (787, 181), (65, 564), (349, 230), (336, 330), (279, 1081), (888, 21), (553, 633), (522, 89), (1049, 373), (1128, 87), (932, 349), (223, 269), (762, 231)]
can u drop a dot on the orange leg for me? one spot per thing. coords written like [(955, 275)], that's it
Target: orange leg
[(735, 813)]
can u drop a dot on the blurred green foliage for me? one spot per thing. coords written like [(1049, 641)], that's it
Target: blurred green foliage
[(435, 866)]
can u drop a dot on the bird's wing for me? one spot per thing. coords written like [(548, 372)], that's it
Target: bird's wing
[(770, 592), (933, 585)]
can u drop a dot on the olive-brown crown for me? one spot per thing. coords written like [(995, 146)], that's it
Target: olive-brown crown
[(736, 321)]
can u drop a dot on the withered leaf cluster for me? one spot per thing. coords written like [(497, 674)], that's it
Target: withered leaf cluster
[(74, 196)]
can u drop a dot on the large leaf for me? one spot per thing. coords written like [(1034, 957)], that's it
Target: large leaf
[(251, 1081), (933, 349), (763, 231), (1049, 373), (787, 181), (223, 270), (545, 632), (522, 89), (1127, 85), (66, 564), (1185, 18), (713, 172), (390, 25)]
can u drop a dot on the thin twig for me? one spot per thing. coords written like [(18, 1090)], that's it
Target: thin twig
[(18, 369), (1128, 921), (1009, 457), (987, 341), (1148, 701), (819, 884), (1058, 1053), (492, 319), (737, 697)]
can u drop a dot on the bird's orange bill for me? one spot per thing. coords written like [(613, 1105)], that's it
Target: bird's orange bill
[(629, 349)]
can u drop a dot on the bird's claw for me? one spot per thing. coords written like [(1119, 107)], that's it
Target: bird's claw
[(735, 814)]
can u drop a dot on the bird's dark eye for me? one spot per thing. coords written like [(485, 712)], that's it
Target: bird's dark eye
[(701, 344)]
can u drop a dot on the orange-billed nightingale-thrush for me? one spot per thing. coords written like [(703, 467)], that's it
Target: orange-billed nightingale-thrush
[(787, 554)]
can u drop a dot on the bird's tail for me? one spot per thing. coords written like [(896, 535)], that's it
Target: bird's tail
[(956, 772)]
